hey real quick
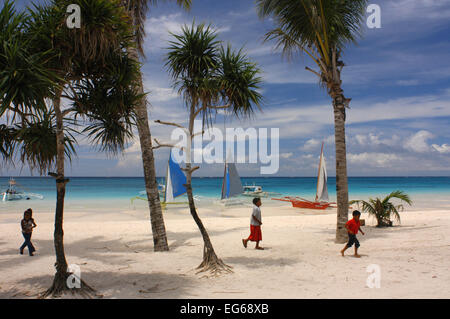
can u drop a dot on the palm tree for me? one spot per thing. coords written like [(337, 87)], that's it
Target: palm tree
[(383, 209), (321, 29), (209, 77), (89, 67), (137, 9)]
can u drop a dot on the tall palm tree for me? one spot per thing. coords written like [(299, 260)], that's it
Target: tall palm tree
[(383, 209), (89, 67), (209, 77), (322, 29), (137, 9)]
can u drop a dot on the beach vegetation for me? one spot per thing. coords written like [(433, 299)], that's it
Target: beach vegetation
[(383, 209)]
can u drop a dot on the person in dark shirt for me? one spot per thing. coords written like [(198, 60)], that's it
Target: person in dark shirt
[(27, 225), (353, 226)]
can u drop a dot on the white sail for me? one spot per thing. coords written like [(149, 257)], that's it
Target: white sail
[(168, 197), (322, 189)]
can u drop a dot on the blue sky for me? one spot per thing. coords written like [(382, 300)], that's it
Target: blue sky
[(398, 78)]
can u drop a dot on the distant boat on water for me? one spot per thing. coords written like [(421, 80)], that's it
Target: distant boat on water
[(321, 201), (13, 193)]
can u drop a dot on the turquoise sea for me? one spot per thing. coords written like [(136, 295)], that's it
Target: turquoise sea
[(111, 191)]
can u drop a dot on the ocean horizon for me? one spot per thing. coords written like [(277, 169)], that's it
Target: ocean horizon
[(108, 189)]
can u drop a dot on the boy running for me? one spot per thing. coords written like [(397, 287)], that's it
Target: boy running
[(353, 226)]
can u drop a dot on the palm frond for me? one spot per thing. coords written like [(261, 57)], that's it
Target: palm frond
[(304, 24)]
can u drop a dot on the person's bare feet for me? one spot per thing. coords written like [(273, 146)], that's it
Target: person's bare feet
[(342, 253), (244, 243), (260, 248), (357, 256)]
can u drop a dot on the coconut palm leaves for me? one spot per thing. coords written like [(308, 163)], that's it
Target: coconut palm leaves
[(209, 76), (25, 79), (321, 29), (384, 209)]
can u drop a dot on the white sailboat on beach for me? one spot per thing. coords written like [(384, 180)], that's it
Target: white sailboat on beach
[(321, 199)]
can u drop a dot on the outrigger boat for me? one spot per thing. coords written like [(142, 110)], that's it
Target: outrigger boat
[(321, 200), (12, 193), (257, 191), (254, 191)]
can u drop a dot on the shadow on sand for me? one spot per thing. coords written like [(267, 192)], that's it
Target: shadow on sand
[(112, 285)]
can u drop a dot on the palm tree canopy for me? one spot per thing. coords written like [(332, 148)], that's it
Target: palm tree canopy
[(323, 24), (25, 79), (101, 86), (105, 28), (239, 81), (207, 74)]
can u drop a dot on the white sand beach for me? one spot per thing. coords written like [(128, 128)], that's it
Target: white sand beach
[(114, 250)]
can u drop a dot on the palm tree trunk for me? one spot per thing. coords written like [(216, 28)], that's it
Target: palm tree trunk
[(210, 262), (60, 280), (148, 161), (341, 165)]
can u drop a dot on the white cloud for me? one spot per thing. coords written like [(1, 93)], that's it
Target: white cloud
[(374, 139), (162, 94), (314, 144), (286, 155), (418, 142), (372, 159), (444, 148)]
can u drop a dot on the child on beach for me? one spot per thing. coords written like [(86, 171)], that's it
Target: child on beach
[(27, 224), (255, 225), (353, 226)]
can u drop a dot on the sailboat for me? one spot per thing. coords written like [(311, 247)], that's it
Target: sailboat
[(175, 181), (231, 185), (174, 185), (321, 199)]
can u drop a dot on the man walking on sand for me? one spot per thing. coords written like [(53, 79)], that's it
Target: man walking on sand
[(255, 225)]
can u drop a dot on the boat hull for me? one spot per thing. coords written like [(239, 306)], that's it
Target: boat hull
[(309, 205), (301, 203), (7, 197)]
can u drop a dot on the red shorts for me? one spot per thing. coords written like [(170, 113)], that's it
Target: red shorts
[(255, 233)]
